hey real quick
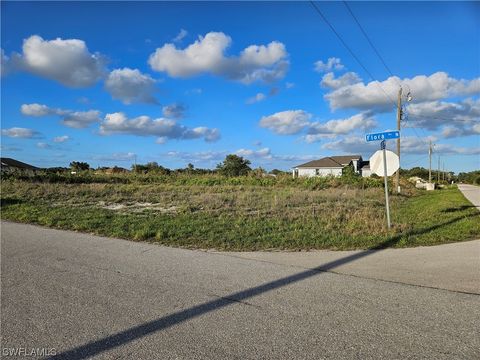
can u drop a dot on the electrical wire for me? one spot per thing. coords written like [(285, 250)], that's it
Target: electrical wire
[(317, 9), (410, 163), (370, 42)]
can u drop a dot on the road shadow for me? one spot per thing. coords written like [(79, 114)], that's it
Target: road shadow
[(10, 201), (124, 337), (459, 208)]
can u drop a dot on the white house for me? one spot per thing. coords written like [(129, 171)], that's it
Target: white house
[(332, 165)]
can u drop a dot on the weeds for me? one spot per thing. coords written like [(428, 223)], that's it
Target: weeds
[(246, 213)]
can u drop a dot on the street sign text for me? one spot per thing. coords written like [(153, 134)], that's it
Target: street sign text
[(383, 136)]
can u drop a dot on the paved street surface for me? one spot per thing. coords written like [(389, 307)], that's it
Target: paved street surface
[(472, 193), (92, 297)]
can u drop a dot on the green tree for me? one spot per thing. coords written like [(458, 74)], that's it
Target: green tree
[(79, 166), (278, 172), (234, 165), (190, 168), (151, 167)]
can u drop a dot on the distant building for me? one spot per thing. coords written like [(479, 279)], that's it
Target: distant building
[(332, 166), (12, 165), (365, 169)]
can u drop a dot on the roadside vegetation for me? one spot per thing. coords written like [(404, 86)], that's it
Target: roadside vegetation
[(230, 211)]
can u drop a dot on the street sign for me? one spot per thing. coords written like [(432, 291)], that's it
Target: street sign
[(382, 136), (376, 163), (384, 162)]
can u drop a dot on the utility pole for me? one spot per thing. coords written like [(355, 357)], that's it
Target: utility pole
[(438, 170), (430, 162), (135, 163), (399, 118), (383, 145)]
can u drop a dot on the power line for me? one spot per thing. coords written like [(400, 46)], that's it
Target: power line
[(410, 163), (415, 131), (444, 119), (369, 41), (350, 51)]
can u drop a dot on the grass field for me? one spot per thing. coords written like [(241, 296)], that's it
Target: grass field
[(244, 216)]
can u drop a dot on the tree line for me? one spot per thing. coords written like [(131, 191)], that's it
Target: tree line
[(232, 165)]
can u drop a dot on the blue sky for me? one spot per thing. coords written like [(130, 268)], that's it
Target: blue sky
[(179, 82)]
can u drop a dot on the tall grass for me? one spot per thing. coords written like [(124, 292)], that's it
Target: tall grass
[(92, 177), (246, 213)]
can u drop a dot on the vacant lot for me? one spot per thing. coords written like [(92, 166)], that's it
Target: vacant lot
[(244, 217)]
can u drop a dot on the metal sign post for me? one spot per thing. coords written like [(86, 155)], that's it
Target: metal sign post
[(385, 157), (387, 205)]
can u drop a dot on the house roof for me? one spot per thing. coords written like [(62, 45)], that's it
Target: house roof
[(17, 164), (330, 162)]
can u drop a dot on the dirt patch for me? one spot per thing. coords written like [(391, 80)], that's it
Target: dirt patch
[(139, 207)]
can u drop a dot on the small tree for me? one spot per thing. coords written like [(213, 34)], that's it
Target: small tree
[(190, 168), (79, 166), (349, 175), (277, 172), (151, 167), (234, 165)]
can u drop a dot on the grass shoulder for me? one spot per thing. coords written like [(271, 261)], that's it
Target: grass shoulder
[(246, 216)]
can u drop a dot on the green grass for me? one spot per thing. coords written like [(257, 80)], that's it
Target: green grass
[(244, 216)]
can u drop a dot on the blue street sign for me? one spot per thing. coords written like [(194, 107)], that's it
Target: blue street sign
[(383, 136)]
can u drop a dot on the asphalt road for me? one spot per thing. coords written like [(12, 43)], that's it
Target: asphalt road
[(93, 297)]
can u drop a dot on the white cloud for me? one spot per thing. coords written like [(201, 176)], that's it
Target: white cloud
[(207, 55), (257, 98), (70, 118), (415, 145), (43, 145), (289, 85), (10, 148), (332, 63), (329, 80), (61, 139), (122, 156), (259, 156), (409, 145), (164, 129), (38, 110), (131, 86), (433, 114), (83, 100), (200, 156), (67, 61), (174, 111), (317, 130), (424, 88), (286, 122), (6, 65), (264, 153), (455, 131), (195, 91), (180, 36), (452, 132), (81, 119), (351, 145), (18, 132), (292, 122)]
